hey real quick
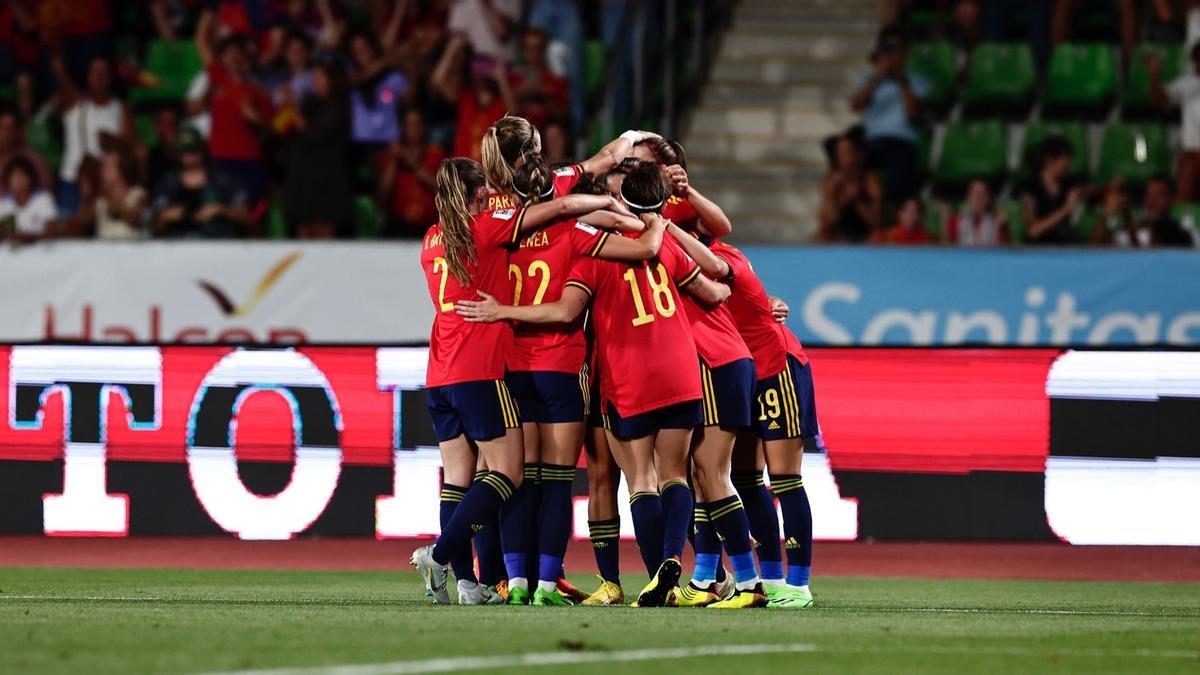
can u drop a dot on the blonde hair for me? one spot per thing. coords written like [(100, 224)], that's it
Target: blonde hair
[(534, 181), (504, 144), (458, 179)]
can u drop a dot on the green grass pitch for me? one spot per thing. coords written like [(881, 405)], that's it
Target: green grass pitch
[(181, 621)]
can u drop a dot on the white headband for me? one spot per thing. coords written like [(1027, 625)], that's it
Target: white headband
[(548, 193), (641, 207)]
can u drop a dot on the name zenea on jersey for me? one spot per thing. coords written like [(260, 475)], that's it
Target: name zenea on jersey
[(460, 351), (644, 344), (537, 270), (769, 341)]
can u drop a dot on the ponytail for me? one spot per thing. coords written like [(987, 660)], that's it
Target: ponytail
[(534, 181), (504, 145), (457, 181)]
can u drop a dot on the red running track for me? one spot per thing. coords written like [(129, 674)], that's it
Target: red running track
[(921, 560)]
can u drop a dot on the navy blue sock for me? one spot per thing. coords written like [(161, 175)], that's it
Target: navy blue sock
[(474, 512), (707, 547), (488, 558), (677, 506), (533, 477), (460, 562), (764, 521), (646, 508), (730, 521), (797, 526), (554, 528), (606, 543), (516, 520)]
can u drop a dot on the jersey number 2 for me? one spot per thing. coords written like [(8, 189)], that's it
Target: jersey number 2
[(664, 302), (440, 266)]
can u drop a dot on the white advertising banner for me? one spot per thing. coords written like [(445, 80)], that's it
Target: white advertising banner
[(204, 292)]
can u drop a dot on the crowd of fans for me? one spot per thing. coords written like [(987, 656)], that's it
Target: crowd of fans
[(874, 190), (303, 106)]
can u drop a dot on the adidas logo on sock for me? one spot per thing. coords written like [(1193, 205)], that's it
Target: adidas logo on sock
[(599, 544), (791, 543), (477, 527), (773, 426)]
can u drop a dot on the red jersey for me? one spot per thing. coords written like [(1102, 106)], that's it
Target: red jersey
[(460, 351), (232, 136), (769, 341), (564, 180), (680, 211), (537, 271), (643, 341)]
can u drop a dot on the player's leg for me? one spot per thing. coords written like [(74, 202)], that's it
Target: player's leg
[(672, 444), (519, 520), (749, 463), (489, 559), (604, 521), (635, 456), (784, 459), (458, 462), (702, 589), (560, 453)]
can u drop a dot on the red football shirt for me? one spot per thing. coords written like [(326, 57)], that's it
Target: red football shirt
[(232, 136), (750, 307), (460, 351), (537, 271), (564, 179), (717, 338), (680, 212), (643, 340), (473, 123)]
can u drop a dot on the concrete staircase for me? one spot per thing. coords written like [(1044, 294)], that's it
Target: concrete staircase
[(780, 84)]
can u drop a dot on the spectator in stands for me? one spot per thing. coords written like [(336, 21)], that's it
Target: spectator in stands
[(294, 80), (317, 21), (13, 146), (164, 155), (541, 95), (562, 21), (487, 26), (406, 180), (996, 21), (93, 117), (555, 146), (317, 198), (239, 108), (478, 87), (1049, 201), (79, 30), (1184, 91), (979, 223), (20, 50), (198, 200), (851, 196), (121, 202), (1154, 227), (379, 91), (908, 229), (27, 212), (890, 103)]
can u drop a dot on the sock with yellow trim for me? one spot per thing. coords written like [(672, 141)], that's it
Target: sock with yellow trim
[(554, 526), (488, 558), (707, 547), (460, 562), (516, 525), (764, 523), (646, 509), (797, 526), (677, 504), (533, 476), (474, 512), (729, 520), (606, 544)]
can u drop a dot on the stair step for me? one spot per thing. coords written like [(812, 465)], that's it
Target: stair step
[(727, 92), (736, 148), (785, 124), (815, 48), (777, 172)]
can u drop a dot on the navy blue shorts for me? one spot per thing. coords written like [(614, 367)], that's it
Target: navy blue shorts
[(678, 416), (482, 410), (548, 397), (728, 394), (786, 406)]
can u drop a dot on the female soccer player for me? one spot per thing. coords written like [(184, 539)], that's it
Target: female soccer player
[(546, 365), (470, 405), (686, 207), (728, 377), (651, 381)]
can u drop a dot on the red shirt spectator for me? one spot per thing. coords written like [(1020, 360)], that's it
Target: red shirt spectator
[(908, 229), (474, 118), (407, 178), (233, 136), (542, 96)]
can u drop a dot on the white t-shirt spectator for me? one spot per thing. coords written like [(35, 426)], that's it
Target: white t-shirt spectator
[(1185, 92), (468, 16), (198, 91), (33, 216), (82, 126)]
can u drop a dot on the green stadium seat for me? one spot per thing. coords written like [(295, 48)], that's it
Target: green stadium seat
[(1135, 152), (1136, 94), (8, 92), (1016, 220), (593, 65), (1000, 75), (936, 62), (143, 128), (277, 227), (971, 150), (367, 223), (1188, 215), (45, 140), (174, 64), (1081, 75), (931, 219), (1036, 132)]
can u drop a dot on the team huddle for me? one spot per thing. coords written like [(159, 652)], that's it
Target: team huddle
[(594, 305)]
